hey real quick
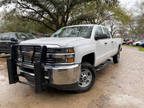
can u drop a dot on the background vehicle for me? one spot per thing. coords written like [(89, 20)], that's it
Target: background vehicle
[(142, 43), (138, 43), (130, 42), (40, 35), (66, 60), (7, 39), (125, 41)]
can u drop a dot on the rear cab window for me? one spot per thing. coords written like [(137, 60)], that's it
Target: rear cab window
[(106, 31), (99, 31)]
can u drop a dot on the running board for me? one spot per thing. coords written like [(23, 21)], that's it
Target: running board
[(102, 66)]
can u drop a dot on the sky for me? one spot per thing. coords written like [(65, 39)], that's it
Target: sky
[(130, 4)]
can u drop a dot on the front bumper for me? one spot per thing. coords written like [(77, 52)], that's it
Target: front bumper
[(40, 75), (61, 77), (57, 75)]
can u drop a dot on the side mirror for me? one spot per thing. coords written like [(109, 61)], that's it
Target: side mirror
[(102, 36), (55, 35), (14, 40)]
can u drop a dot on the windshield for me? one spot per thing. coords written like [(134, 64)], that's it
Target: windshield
[(23, 36), (80, 31), (30, 36)]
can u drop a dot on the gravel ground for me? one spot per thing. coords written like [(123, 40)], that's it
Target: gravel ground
[(116, 86)]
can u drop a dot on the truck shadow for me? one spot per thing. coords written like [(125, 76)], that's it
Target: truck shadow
[(4, 55)]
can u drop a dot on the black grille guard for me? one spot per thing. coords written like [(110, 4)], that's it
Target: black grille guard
[(39, 80)]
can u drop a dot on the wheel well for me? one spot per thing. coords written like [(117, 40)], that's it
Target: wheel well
[(89, 58), (119, 46)]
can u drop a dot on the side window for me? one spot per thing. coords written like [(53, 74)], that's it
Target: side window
[(4, 37), (98, 31), (12, 36), (106, 31)]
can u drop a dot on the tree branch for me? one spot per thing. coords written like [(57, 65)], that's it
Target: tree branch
[(36, 20)]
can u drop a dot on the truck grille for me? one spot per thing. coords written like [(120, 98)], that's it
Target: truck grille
[(29, 54)]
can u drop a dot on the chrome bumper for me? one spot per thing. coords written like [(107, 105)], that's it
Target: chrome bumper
[(64, 75), (59, 75)]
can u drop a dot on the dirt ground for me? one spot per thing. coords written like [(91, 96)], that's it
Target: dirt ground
[(116, 86)]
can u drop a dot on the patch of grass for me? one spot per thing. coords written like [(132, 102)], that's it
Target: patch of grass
[(139, 48)]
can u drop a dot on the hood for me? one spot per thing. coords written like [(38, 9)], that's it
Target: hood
[(59, 42)]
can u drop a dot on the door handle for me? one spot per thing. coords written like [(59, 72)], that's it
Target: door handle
[(105, 43)]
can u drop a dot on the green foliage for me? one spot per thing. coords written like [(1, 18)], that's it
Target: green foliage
[(137, 24), (12, 23), (54, 14), (93, 12), (49, 15), (121, 15), (139, 48)]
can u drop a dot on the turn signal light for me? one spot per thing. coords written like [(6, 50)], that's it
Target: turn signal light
[(70, 60), (71, 50)]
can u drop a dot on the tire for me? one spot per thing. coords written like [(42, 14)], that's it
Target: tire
[(116, 58), (83, 85)]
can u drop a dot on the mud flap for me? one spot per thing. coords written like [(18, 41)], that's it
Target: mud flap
[(39, 77), (12, 72)]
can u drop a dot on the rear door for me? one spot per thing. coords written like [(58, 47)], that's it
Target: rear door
[(109, 42)]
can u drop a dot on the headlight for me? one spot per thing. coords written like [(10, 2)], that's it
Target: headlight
[(60, 50), (63, 55)]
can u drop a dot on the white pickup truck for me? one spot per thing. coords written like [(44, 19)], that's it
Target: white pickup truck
[(66, 60)]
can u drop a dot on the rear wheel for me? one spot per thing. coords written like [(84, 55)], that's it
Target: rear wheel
[(116, 58), (87, 78)]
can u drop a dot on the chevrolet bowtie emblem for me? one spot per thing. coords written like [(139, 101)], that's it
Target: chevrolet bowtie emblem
[(31, 53)]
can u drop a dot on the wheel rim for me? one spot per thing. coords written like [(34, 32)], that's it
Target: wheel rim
[(85, 78)]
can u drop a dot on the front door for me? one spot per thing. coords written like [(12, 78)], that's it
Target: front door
[(101, 47)]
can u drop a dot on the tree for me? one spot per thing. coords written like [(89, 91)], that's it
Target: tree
[(54, 14), (137, 24), (12, 23), (120, 19), (94, 13)]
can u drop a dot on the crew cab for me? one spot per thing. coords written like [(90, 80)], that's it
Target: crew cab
[(66, 60), (8, 39)]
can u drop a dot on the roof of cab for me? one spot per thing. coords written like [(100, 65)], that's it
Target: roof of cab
[(83, 25)]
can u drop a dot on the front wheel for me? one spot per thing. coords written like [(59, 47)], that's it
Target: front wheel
[(87, 78)]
